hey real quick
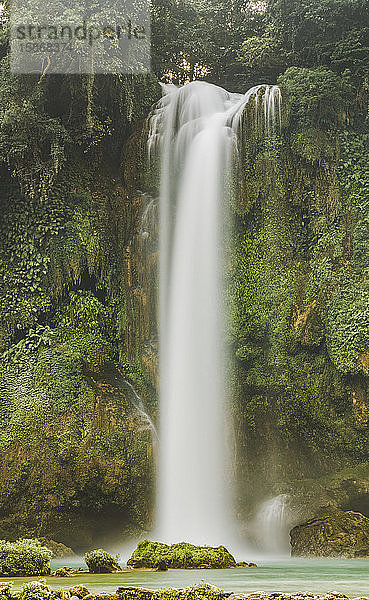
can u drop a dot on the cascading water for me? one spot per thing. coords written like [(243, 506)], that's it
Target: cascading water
[(196, 128), (272, 525)]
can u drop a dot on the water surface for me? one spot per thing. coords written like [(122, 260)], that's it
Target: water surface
[(290, 575)]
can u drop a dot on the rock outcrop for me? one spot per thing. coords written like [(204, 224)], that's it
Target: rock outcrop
[(180, 556), (58, 549), (340, 534)]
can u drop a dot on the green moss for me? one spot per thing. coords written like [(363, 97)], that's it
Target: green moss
[(99, 561), (180, 556), (339, 534), (298, 285), (313, 144)]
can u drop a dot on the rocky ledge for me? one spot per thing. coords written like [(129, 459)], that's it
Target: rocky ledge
[(35, 590), (340, 534)]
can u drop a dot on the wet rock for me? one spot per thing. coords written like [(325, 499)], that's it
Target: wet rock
[(344, 534), (100, 561), (79, 590), (106, 596), (130, 592), (68, 572)]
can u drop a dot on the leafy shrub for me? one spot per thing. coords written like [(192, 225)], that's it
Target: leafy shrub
[(24, 557), (37, 590), (180, 556), (5, 590), (348, 330), (317, 97), (99, 561)]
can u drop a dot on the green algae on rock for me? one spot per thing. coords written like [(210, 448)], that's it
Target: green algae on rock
[(340, 534), (180, 556)]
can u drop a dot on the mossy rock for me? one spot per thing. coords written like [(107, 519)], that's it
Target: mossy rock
[(25, 557), (100, 561), (340, 534), (180, 556)]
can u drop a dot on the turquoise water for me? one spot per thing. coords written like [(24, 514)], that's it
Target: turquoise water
[(290, 575)]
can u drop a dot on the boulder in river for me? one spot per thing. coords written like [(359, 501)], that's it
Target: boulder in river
[(342, 533), (79, 590), (180, 556)]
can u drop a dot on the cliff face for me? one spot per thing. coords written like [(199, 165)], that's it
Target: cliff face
[(77, 326), (298, 290)]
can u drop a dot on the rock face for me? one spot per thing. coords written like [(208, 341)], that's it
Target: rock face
[(58, 549), (344, 534), (66, 456), (345, 490)]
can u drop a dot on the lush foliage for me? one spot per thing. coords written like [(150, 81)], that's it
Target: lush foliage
[(37, 590), (78, 281), (24, 557), (32, 590)]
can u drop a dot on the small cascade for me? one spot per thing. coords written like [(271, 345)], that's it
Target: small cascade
[(148, 218), (140, 407), (196, 131), (271, 526)]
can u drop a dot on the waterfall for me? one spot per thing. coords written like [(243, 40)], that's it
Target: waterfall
[(196, 128), (272, 526)]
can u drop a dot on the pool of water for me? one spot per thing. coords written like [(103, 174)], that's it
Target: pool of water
[(289, 575)]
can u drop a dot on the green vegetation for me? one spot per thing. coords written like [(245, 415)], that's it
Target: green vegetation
[(201, 591), (99, 561), (37, 590), (24, 557), (180, 556), (78, 284), (32, 590)]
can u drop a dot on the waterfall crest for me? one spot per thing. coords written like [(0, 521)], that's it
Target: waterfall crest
[(196, 130)]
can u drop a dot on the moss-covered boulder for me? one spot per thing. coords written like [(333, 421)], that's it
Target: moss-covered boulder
[(343, 533), (99, 561), (24, 557), (180, 556)]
